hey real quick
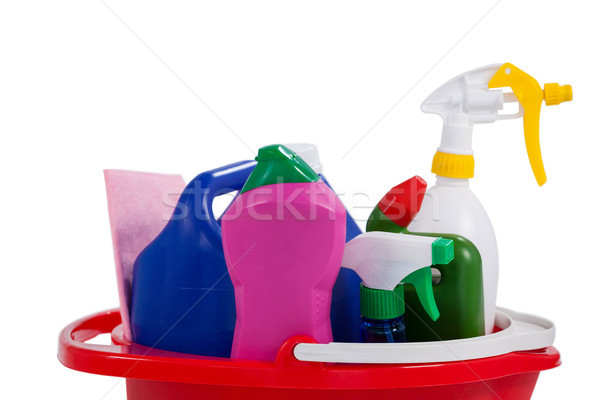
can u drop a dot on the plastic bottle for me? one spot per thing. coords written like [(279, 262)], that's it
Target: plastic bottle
[(459, 288), (283, 239), (182, 298), (450, 206)]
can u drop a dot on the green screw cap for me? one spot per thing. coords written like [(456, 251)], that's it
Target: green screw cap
[(278, 164), (381, 304), (442, 251)]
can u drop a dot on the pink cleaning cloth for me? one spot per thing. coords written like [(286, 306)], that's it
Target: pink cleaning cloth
[(139, 206)]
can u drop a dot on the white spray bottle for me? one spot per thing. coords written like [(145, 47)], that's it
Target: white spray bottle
[(450, 206)]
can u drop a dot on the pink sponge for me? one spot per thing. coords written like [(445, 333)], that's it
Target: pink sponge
[(139, 206)]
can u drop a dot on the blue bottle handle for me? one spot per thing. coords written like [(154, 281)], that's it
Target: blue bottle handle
[(217, 182)]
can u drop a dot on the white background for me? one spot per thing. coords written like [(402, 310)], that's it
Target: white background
[(184, 87)]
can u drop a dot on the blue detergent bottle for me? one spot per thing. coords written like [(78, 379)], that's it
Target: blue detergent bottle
[(182, 298)]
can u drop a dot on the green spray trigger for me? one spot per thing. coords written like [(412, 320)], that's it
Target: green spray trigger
[(421, 280), (442, 252)]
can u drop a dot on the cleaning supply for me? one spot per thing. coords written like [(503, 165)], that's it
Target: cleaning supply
[(138, 212), (345, 301), (382, 311), (472, 98), (283, 239), (182, 298), (385, 260), (459, 287)]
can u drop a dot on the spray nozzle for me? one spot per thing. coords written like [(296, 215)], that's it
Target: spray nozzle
[(476, 97), (554, 94), (384, 260)]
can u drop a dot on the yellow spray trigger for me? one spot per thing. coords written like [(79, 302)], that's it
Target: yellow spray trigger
[(530, 94)]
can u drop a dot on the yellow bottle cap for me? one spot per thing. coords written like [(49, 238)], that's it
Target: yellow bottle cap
[(459, 166)]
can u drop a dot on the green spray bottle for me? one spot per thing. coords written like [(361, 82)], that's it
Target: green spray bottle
[(459, 288)]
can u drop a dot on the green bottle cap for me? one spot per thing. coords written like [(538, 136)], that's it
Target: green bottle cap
[(279, 164), (381, 304), (442, 251)]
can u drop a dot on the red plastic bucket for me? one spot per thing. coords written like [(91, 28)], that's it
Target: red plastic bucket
[(160, 375)]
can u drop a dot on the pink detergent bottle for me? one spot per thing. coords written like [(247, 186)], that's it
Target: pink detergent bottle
[(283, 239)]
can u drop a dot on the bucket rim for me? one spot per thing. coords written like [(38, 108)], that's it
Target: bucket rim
[(134, 361)]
